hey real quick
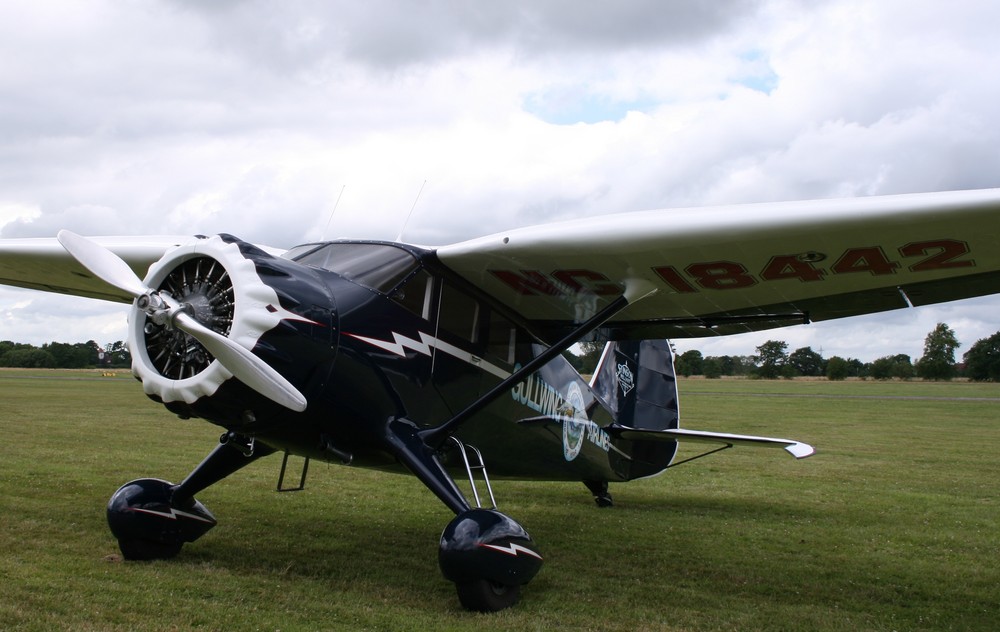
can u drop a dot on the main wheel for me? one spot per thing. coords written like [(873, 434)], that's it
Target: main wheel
[(483, 595), (145, 550)]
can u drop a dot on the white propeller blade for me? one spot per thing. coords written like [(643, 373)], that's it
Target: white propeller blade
[(250, 369), (242, 363), (105, 264)]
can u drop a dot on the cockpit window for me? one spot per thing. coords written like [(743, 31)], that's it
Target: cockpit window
[(378, 266), (296, 252)]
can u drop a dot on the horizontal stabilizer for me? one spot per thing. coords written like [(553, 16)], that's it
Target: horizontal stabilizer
[(796, 448)]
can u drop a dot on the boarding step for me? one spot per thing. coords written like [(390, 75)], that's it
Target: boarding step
[(302, 478), (473, 465)]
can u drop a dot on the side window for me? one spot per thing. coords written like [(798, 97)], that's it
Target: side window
[(415, 294), (501, 338), (458, 313)]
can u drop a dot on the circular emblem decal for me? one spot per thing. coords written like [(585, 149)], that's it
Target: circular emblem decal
[(574, 421)]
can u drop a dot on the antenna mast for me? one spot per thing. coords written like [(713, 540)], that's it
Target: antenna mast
[(399, 237), (322, 237)]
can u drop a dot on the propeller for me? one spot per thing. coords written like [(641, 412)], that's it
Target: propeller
[(163, 309)]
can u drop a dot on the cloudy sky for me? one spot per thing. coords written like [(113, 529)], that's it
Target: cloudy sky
[(255, 118)]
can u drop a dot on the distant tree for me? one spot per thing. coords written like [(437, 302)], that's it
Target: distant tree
[(728, 365), (117, 355), (837, 368), (744, 365), (938, 361), (771, 358), (982, 360), (71, 356), (690, 363), (712, 367), (735, 365), (807, 362), (856, 368), (585, 361), (575, 361), (590, 356), (7, 345), (888, 367), (31, 358)]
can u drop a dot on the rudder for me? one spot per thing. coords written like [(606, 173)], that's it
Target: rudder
[(636, 379)]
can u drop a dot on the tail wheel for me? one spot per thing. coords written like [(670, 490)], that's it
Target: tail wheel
[(483, 595)]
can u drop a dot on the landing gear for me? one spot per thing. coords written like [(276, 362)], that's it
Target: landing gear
[(489, 557), (146, 550), (600, 491), (149, 525), (483, 595), (487, 554), (152, 519)]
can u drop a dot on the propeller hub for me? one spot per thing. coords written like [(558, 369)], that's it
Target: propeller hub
[(203, 291)]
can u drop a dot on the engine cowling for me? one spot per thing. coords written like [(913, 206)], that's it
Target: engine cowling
[(223, 289)]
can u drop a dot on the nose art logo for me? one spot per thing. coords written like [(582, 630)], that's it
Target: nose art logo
[(625, 378)]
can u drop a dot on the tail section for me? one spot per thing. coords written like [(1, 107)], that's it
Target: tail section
[(636, 379)]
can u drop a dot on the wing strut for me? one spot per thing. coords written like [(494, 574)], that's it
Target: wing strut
[(437, 435)]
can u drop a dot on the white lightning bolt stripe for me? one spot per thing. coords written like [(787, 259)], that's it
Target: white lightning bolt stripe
[(512, 548), (285, 314), (401, 343), (173, 514)]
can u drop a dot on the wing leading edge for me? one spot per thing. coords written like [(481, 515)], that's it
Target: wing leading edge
[(742, 268), (43, 264)]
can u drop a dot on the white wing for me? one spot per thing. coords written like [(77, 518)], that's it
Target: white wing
[(741, 268), (43, 264)]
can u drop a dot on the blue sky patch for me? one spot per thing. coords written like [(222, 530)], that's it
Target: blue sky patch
[(571, 107)]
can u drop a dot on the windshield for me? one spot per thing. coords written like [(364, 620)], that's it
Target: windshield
[(378, 266)]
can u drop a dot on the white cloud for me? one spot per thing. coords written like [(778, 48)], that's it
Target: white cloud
[(37, 318), (252, 118), (13, 212)]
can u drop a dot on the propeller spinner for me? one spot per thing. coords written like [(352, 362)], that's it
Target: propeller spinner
[(163, 309)]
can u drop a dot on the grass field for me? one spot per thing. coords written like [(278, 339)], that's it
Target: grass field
[(893, 525)]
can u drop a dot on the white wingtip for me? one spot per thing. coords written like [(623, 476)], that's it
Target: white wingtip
[(800, 450)]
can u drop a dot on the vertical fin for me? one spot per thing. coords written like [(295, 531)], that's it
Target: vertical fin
[(636, 379)]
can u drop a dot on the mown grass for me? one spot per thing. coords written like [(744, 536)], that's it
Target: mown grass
[(893, 525)]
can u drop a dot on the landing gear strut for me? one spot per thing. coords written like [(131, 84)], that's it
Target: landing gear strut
[(152, 519), (600, 491), (487, 554)]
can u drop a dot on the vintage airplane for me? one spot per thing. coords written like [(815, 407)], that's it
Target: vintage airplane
[(443, 361)]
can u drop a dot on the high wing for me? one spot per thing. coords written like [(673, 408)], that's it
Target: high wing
[(43, 264), (734, 269)]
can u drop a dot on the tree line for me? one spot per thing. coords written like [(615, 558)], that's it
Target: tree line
[(773, 360), (64, 355)]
